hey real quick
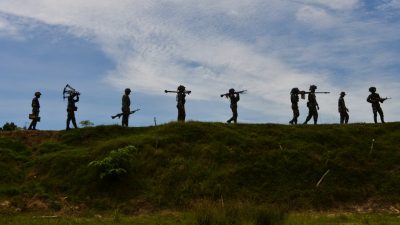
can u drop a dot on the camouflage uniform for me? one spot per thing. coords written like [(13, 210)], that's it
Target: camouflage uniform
[(344, 116), (71, 108), (234, 98), (35, 111), (126, 104), (375, 100), (180, 99), (312, 105), (294, 98)]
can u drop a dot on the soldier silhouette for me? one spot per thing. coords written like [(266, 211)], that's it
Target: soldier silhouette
[(126, 110), (234, 98), (71, 108), (375, 100), (343, 110), (180, 99), (294, 98), (35, 111), (312, 105)]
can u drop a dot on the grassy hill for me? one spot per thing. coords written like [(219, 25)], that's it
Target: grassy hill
[(175, 165)]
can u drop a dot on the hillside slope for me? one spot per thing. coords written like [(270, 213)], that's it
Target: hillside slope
[(173, 165)]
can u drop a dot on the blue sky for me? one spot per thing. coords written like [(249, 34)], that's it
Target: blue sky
[(266, 46)]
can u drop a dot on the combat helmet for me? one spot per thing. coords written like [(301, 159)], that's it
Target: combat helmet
[(372, 89), (313, 87), (342, 93), (295, 91), (181, 88), (38, 94), (231, 91), (127, 91)]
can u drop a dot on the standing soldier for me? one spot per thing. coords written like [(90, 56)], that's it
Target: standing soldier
[(294, 98), (180, 99), (126, 110), (234, 98), (343, 110), (71, 108), (312, 105), (375, 100), (35, 111)]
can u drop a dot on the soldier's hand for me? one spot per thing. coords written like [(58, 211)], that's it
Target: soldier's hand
[(318, 107)]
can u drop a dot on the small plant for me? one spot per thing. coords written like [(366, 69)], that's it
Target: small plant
[(116, 164), (86, 123)]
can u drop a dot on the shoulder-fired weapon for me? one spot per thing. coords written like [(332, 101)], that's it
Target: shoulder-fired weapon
[(120, 114), (236, 92)]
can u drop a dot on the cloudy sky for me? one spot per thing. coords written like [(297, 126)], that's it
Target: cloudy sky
[(100, 47)]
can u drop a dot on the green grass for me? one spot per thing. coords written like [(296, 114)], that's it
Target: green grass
[(189, 219), (177, 164)]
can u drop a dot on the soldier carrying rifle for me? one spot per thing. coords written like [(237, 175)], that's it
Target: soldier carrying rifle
[(312, 103), (234, 98), (73, 97), (180, 99), (126, 104), (375, 100)]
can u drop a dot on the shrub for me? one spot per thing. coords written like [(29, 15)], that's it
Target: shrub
[(116, 164)]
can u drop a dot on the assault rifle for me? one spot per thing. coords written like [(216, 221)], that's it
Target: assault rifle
[(186, 92), (236, 92), (303, 93), (120, 114)]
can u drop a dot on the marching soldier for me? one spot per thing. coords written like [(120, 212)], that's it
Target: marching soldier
[(234, 98), (312, 105), (343, 110), (71, 108), (126, 110), (375, 100), (35, 111), (294, 98), (180, 99)]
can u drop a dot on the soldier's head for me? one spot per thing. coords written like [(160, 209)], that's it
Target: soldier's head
[(295, 91), (372, 89), (342, 94), (231, 91), (38, 94), (313, 87), (127, 91), (181, 88)]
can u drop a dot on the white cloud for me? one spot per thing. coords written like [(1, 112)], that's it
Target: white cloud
[(210, 46), (390, 4), (8, 29)]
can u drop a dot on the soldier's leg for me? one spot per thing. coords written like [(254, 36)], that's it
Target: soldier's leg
[(235, 114), (74, 122), (68, 121), (380, 111), (375, 115), (183, 114), (315, 116), (124, 120), (309, 116), (296, 115)]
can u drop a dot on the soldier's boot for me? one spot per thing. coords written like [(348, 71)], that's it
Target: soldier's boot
[(67, 128), (375, 119), (291, 122)]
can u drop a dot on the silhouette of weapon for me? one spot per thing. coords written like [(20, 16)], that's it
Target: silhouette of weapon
[(34, 117), (303, 93), (236, 92), (186, 92), (68, 90), (384, 99), (120, 114)]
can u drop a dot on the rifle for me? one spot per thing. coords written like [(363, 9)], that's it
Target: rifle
[(120, 114), (186, 92), (384, 99), (236, 92), (303, 93)]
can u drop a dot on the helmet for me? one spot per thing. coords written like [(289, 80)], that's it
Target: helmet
[(295, 91), (231, 91), (37, 94), (127, 91), (342, 93), (181, 88), (313, 87), (372, 89)]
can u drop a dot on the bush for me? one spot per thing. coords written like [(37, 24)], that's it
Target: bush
[(116, 164), (9, 126)]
